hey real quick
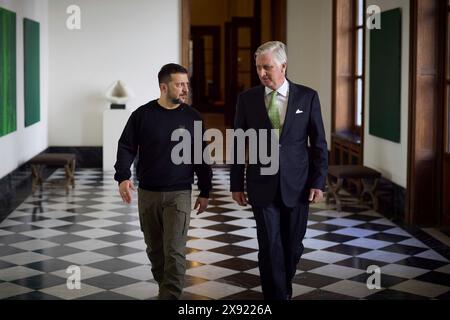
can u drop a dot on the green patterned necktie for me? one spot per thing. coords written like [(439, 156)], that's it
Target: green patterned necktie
[(274, 113)]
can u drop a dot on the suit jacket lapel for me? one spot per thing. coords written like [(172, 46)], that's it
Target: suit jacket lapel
[(290, 112)]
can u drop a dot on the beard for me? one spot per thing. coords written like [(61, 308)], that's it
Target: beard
[(177, 99)]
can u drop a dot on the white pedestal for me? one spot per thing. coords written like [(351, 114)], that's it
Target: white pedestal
[(114, 121)]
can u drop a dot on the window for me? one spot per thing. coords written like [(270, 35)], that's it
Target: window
[(359, 38)]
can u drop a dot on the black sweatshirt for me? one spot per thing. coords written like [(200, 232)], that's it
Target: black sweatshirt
[(148, 131)]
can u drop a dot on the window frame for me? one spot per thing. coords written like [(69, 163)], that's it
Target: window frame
[(358, 25), (446, 84)]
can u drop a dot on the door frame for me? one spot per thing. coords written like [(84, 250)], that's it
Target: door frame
[(278, 28), (214, 32), (425, 158)]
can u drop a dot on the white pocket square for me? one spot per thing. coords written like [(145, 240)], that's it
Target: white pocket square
[(298, 111)]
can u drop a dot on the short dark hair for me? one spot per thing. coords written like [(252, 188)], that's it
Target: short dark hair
[(164, 75)]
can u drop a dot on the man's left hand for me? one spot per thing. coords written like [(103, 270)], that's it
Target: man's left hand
[(315, 195), (201, 204)]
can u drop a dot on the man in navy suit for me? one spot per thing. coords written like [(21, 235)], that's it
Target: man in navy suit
[(280, 202)]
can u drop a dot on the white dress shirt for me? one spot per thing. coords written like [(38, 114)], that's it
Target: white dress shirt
[(281, 99)]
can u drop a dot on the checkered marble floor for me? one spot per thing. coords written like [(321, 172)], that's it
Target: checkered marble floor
[(92, 228)]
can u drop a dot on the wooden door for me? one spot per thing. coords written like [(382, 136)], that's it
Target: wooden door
[(242, 39)]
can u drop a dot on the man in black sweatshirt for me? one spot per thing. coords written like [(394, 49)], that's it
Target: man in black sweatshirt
[(164, 195)]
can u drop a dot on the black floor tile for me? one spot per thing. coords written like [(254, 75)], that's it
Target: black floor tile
[(14, 238), (220, 218), (237, 264), (66, 238), (120, 238), (390, 294), (354, 209), (218, 210), (403, 249), (306, 265), (79, 217), (348, 250), (40, 281), (241, 280), (322, 295), (110, 281), (228, 238), (122, 228), (192, 281), (82, 210), (233, 250), (246, 295), (421, 263), (387, 237), (223, 227), (360, 263), (21, 228), (7, 250), (374, 226), (58, 251), (106, 295), (435, 277), (34, 295), (325, 227), (49, 265), (335, 237), (385, 279), (72, 228), (113, 265), (314, 280), (28, 219)]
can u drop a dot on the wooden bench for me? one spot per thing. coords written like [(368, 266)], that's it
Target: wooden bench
[(368, 177), (66, 160)]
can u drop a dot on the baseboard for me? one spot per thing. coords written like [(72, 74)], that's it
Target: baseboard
[(392, 200)]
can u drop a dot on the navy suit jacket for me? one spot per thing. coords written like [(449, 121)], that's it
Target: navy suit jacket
[(301, 166)]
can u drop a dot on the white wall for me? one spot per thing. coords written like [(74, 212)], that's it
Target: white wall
[(309, 42), (126, 40), (388, 157), (18, 147)]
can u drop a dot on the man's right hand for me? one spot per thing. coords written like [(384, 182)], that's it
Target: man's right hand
[(125, 188), (240, 198)]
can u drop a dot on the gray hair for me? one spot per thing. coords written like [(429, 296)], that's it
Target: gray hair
[(277, 48)]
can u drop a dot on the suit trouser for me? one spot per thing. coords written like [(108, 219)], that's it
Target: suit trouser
[(164, 219), (280, 231)]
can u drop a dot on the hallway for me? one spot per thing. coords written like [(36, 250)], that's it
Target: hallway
[(93, 229)]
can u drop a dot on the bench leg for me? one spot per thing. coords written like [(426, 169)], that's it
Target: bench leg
[(70, 175), (333, 190), (72, 168), (370, 189), (36, 174)]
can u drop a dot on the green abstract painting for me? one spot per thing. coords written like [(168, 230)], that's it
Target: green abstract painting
[(31, 68), (386, 77), (7, 72)]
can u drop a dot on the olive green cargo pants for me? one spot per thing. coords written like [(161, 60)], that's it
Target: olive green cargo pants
[(164, 219)]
